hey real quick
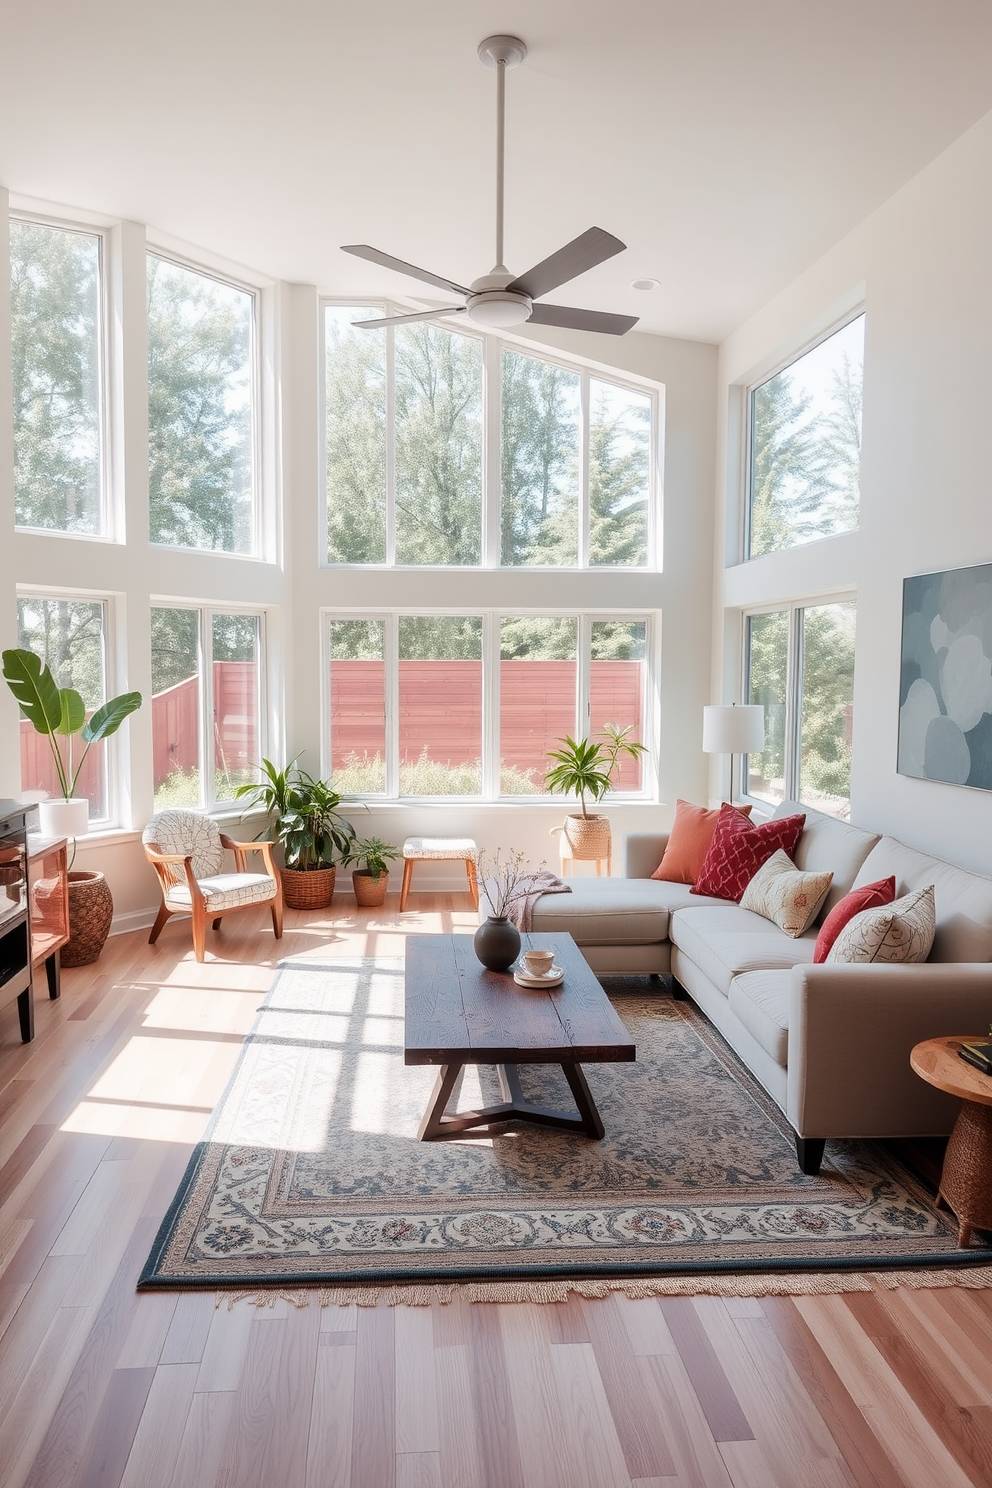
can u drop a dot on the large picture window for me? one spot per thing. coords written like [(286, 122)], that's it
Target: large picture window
[(469, 705), (206, 704), (56, 287), (804, 446), (800, 669), (201, 410), (70, 636), (449, 449)]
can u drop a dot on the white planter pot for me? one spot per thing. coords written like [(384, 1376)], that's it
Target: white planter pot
[(58, 818)]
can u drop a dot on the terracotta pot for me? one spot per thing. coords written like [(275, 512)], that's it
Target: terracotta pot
[(588, 836), (497, 943), (313, 889), (91, 909), (370, 892)]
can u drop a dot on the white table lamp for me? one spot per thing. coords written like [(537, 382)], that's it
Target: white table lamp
[(733, 728)]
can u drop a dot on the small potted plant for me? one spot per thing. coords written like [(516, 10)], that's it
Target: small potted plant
[(371, 881), (309, 828), (585, 768)]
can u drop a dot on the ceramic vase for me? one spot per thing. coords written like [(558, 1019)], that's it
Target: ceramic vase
[(497, 943)]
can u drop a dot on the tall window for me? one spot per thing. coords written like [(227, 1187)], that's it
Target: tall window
[(206, 704), (201, 399), (804, 446), (800, 668), (70, 636), (418, 472), (57, 347), (410, 698)]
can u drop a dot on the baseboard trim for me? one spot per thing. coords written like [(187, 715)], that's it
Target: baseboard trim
[(134, 919)]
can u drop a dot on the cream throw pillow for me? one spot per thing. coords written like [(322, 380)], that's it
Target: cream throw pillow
[(780, 892), (901, 931)]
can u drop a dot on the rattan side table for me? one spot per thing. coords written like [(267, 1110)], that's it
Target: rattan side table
[(966, 1179)]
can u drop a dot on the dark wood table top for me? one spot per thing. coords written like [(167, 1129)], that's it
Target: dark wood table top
[(457, 1011)]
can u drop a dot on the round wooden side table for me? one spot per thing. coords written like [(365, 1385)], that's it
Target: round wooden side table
[(966, 1179)]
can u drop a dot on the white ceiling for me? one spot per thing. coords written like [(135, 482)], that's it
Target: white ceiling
[(728, 144)]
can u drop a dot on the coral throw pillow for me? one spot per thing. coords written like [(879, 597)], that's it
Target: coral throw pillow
[(692, 833), (739, 849), (898, 932), (869, 896)]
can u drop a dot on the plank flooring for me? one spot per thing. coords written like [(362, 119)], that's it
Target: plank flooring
[(102, 1388)]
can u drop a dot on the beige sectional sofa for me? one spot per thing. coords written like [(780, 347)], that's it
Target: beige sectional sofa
[(830, 1043)]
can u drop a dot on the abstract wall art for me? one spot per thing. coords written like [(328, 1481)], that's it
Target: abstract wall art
[(945, 696)]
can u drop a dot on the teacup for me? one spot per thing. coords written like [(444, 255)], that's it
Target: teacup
[(539, 963)]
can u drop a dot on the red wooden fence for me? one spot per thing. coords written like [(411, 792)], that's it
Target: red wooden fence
[(440, 711)]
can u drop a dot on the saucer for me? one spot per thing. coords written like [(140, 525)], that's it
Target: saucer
[(550, 978)]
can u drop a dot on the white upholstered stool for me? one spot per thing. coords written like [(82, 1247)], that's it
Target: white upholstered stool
[(435, 849)]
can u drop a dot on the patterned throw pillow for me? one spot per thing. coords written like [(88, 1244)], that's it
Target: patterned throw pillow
[(739, 849), (902, 931), (869, 896), (692, 833), (780, 892)]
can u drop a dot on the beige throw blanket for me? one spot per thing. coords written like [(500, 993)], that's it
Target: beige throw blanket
[(529, 890)]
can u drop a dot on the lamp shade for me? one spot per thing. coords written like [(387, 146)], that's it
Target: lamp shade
[(733, 728)]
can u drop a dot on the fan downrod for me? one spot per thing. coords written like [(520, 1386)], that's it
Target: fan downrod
[(508, 49)]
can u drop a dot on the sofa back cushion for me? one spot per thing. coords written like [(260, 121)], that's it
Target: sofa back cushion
[(829, 845), (963, 899), (690, 840)]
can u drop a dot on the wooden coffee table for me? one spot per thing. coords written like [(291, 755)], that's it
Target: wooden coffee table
[(459, 1013), (966, 1179)]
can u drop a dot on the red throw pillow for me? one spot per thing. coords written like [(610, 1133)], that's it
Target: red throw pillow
[(739, 849), (692, 833), (869, 896)]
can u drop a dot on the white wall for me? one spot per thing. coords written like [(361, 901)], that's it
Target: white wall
[(922, 262)]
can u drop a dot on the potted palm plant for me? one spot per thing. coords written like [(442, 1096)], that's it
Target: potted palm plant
[(584, 768), (371, 881), (309, 828)]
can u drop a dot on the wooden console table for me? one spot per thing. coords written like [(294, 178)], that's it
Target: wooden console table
[(48, 889)]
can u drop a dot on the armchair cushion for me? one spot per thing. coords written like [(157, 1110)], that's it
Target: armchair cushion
[(224, 891), (190, 833)]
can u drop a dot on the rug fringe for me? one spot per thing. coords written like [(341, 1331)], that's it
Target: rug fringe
[(794, 1284)]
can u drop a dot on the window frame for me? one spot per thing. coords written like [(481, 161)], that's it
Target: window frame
[(110, 523), (792, 737), (750, 387), (490, 741), (257, 550), (493, 346), (205, 611)]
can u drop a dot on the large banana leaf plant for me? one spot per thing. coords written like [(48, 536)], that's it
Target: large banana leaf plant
[(60, 713)]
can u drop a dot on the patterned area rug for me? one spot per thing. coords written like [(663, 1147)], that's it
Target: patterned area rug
[(311, 1171)]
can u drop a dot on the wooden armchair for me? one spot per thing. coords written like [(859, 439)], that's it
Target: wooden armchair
[(186, 849)]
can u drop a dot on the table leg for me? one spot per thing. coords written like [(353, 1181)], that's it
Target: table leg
[(437, 1127)]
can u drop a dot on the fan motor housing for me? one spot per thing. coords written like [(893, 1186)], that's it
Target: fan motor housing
[(499, 307)]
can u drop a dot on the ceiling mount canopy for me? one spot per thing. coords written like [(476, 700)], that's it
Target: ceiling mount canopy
[(500, 299)]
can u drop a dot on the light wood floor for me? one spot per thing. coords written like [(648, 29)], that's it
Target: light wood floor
[(100, 1387)]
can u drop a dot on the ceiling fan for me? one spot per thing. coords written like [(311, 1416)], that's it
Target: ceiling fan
[(499, 298)]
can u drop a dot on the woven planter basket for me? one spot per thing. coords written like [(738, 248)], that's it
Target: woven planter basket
[(588, 836), (91, 909), (311, 890), (370, 892)]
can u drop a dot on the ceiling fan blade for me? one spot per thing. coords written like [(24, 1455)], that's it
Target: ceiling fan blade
[(582, 253), (362, 250), (581, 320), (388, 320)]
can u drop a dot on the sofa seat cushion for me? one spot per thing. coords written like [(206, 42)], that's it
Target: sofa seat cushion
[(729, 941), (963, 899), (760, 999), (613, 911)]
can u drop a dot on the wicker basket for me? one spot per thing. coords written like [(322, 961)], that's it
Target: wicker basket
[(311, 890), (370, 892), (588, 837), (91, 909)]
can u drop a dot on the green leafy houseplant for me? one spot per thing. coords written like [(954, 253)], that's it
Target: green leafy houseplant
[(585, 767), (308, 825), (60, 713), (374, 854)]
